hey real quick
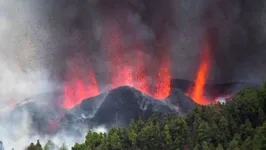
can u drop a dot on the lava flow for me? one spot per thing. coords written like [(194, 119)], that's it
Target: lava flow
[(197, 93)]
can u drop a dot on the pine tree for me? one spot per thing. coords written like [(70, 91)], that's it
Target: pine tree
[(81, 147), (114, 140), (31, 147), (167, 138), (219, 147), (38, 145), (246, 130), (205, 146), (203, 132), (63, 147), (247, 144), (235, 143), (196, 147), (132, 135), (260, 138), (93, 139), (49, 145)]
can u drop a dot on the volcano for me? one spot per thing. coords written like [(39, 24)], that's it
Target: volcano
[(116, 107)]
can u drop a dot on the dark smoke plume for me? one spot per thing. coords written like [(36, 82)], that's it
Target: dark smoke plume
[(236, 28), (40, 38)]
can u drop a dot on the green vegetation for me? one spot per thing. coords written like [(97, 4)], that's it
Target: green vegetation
[(237, 125)]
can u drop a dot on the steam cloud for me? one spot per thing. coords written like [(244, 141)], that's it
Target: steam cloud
[(37, 38), (29, 65), (23, 73)]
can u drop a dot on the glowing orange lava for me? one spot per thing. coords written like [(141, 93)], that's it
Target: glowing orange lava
[(131, 70), (198, 90), (127, 66), (162, 85), (119, 68), (77, 88), (141, 80)]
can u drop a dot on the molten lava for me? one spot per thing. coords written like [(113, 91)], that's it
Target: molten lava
[(162, 85), (197, 93), (127, 66), (141, 79), (119, 68), (77, 88)]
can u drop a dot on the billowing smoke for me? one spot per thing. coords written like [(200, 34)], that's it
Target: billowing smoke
[(25, 55), (22, 71), (237, 39), (40, 39), (79, 27)]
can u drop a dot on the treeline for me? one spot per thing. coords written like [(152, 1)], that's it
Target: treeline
[(237, 125), (48, 146)]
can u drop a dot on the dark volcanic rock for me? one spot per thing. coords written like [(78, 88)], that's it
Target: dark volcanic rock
[(180, 101), (126, 103), (119, 106), (116, 107)]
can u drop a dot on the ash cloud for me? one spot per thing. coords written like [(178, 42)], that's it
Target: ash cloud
[(239, 39), (236, 30), (237, 33), (21, 60), (25, 55), (38, 38)]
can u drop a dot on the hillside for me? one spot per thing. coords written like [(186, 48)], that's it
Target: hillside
[(239, 124)]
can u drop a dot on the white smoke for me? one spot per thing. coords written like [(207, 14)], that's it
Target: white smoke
[(22, 73), (68, 141), (18, 136), (24, 55)]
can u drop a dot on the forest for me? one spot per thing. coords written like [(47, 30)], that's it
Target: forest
[(239, 124)]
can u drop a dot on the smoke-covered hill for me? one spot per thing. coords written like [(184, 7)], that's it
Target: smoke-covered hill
[(116, 107), (42, 115)]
